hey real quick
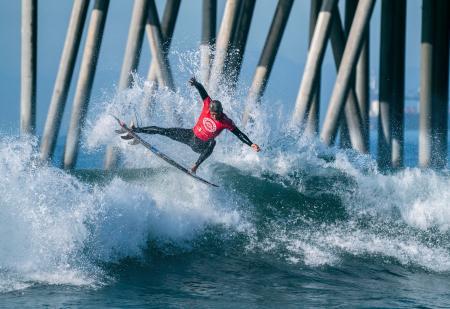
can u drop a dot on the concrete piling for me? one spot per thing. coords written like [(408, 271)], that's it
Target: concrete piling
[(391, 99), (167, 27), (268, 55), (398, 87), (351, 111), (209, 16), (441, 79), (426, 83), (153, 28), (360, 84), (344, 134), (63, 78), (362, 90), (134, 43), (434, 75), (224, 40), (349, 59), (312, 124), (28, 67), (362, 87), (385, 80), (313, 62), (85, 80), (233, 66)]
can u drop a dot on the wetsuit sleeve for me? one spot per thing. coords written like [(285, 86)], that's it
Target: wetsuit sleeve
[(244, 138), (201, 90)]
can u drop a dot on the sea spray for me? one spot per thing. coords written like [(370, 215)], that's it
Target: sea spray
[(328, 179), (59, 230), (42, 214), (294, 204)]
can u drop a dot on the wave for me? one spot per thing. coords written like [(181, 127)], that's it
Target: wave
[(329, 186), (296, 202), (60, 230)]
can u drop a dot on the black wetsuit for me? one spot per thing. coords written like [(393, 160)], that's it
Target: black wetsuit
[(185, 136)]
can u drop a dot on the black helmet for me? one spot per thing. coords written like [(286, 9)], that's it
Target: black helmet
[(216, 107)]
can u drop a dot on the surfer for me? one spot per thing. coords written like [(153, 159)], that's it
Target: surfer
[(201, 138)]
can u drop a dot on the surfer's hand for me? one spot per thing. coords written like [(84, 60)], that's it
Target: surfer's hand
[(255, 147), (193, 81), (194, 169)]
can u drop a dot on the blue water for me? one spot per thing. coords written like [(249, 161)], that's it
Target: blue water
[(297, 225)]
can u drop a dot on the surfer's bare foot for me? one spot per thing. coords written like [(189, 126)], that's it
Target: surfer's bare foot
[(194, 169), (127, 137)]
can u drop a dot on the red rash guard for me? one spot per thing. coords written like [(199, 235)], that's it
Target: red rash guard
[(206, 127)]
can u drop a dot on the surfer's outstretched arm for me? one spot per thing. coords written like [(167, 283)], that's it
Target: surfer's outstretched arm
[(201, 90), (244, 138)]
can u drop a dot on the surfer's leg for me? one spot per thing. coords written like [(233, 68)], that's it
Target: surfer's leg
[(149, 130), (181, 135), (205, 151)]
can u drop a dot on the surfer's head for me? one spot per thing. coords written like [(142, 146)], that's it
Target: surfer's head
[(216, 110)]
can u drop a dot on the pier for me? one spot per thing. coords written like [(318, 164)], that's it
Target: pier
[(344, 26)]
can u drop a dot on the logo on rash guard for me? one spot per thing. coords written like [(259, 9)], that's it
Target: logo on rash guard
[(209, 125)]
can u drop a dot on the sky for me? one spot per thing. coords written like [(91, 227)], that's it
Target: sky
[(53, 18)]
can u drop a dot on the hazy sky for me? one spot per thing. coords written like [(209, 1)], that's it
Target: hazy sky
[(53, 17)]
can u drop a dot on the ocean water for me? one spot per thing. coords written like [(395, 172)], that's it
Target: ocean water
[(296, 225)]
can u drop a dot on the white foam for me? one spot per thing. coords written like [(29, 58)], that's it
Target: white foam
[(329, 244), (413, 197), (419, 198), (56, 229), (406, 249), (41, 217)]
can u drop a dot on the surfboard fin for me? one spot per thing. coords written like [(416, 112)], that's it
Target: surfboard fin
[(120, 131), (132, 126)]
